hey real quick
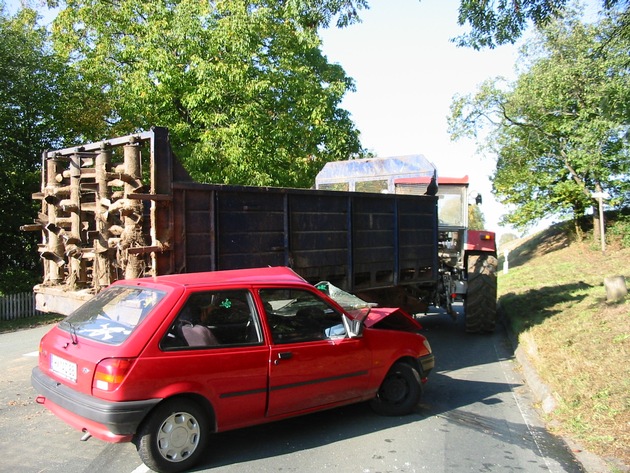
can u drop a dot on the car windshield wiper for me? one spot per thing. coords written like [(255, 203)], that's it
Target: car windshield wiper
[(73, 332)]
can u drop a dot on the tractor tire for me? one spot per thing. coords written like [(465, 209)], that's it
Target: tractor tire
[(480, 305)]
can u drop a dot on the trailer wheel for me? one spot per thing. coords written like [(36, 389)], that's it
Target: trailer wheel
[(480, 305), (400, 391), (172, 439)]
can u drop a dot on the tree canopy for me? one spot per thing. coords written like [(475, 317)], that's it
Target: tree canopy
[(476, 220), (493, 23), (560, 132), (243, 86)]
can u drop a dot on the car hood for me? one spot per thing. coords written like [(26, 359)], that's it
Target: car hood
[(391, 319)]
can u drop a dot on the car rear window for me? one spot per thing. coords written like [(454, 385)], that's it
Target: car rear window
[(112, 315)]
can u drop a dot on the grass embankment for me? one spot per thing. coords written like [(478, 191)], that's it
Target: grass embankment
[(555, 301)]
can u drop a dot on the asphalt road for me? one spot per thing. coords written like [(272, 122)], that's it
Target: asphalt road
[(476, 415)]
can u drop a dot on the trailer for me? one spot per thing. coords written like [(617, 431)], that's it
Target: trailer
[(125, 207)]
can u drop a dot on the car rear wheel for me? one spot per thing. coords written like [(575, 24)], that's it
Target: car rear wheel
[(172, 439), (400, 391)]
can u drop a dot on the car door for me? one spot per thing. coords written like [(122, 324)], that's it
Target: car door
[(229, 366), (313, 361)]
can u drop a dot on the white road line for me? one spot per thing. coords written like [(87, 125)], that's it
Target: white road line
[(141, 469), (533, 433), (33, 354)]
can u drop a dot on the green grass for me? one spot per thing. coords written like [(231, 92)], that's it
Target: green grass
[(555, 301), (28, 322)]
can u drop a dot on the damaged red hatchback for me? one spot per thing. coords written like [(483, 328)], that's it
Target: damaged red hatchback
[(165, 362)]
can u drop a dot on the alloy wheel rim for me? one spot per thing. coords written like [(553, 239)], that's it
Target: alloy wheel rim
[(178, 437)]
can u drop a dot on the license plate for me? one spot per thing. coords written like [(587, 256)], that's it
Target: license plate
[(64, 368)]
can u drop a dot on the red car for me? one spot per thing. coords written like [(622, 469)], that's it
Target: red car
[(166, 361)]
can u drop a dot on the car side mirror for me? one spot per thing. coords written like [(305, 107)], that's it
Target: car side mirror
[(354, 327)]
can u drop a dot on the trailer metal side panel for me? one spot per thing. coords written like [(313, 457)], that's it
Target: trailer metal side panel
[(356, 241), (417, 232), (319, 238), (375, 241), (250, 229), (194, 247)]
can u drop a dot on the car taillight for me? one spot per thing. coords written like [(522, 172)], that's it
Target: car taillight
[(110, 373), (42, 355)]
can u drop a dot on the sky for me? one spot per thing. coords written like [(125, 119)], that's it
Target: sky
[(406, 72)]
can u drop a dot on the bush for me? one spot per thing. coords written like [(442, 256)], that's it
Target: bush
[(619, 230), (16, 280)]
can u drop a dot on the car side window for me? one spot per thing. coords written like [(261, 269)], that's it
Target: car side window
[(215, 319), (296, 315)]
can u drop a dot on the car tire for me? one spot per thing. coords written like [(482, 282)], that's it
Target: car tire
[(173, 438), (399, 392)]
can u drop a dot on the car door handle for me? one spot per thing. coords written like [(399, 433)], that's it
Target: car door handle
[(283, 355)]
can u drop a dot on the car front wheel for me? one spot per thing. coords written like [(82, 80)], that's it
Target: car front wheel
[(173, 437), (400, 391)]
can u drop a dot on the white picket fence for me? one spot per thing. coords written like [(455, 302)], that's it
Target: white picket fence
[(18, 306)]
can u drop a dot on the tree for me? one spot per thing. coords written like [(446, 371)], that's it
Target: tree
[(494, 23), (560, 132), (476, 220), (242, 85), (31, 81), (320, 13)]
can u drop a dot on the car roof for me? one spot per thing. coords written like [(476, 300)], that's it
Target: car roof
[(266, 275)]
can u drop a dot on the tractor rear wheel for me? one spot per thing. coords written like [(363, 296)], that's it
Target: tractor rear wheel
[(480, 305)]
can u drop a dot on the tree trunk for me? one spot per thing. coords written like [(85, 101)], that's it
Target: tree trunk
[(596, 225)]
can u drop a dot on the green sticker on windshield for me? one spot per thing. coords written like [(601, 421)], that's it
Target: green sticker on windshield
[(322, 287)]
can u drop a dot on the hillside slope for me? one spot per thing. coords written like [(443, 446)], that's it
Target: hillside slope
[(555, 301)]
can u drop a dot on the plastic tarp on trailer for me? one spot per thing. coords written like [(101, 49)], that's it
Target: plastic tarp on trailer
[(373, 174)]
